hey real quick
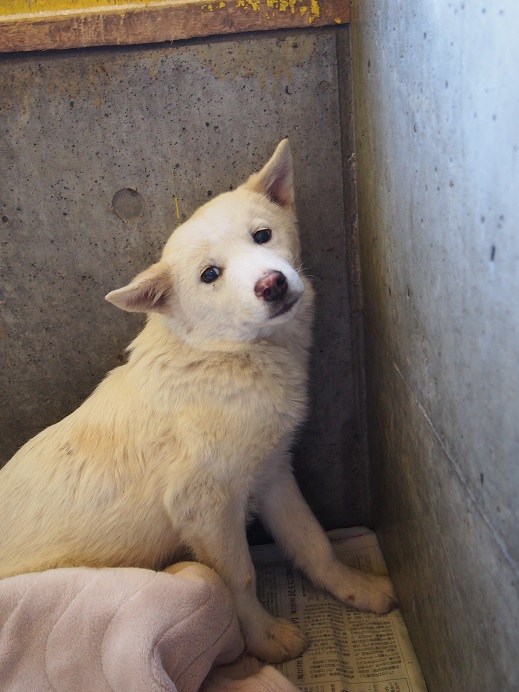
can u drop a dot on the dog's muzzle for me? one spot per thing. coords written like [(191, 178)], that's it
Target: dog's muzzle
[(273, 286), (274, 289)]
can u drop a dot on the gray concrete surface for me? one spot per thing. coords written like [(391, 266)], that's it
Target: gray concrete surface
[(102, 153), (436, 114)]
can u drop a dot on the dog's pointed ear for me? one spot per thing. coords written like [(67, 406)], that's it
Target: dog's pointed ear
[(148, 292), (276, 178)]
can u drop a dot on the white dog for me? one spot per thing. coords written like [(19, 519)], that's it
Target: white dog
[(174, 448)]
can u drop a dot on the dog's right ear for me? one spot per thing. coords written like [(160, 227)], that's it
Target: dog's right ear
[(276, 178), (148, 292)]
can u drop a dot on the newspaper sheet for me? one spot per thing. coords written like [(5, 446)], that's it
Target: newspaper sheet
[(350, 651)]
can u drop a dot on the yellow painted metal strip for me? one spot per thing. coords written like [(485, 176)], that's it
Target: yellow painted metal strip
[(59, 24), (13, 7)]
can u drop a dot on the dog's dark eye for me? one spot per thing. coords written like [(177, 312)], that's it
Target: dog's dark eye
[(262, 236), (210, 274)]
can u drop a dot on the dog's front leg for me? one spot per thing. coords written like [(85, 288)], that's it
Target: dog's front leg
[(299, 534), (222, 545)]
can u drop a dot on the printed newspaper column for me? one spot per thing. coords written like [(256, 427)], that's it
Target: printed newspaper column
[(350, 651)]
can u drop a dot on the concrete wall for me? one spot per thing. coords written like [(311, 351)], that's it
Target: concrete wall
[(436, 96), (177, 124)]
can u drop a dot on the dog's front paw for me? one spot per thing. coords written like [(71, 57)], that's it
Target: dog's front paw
[(276, 641), (370, 592)]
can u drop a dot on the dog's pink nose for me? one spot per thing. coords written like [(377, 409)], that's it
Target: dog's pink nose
[(274, 286)]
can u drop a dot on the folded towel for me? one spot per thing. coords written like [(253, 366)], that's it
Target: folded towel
[(124, 629)]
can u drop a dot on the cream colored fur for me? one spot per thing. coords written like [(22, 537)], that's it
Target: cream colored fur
[(173, 448)]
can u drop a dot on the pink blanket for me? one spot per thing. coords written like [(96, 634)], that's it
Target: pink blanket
[(127, 630)]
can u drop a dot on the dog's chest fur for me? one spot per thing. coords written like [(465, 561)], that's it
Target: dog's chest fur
[(232, 406)]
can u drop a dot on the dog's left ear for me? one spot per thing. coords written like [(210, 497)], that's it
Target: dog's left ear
[(148, 292), (276, 178)]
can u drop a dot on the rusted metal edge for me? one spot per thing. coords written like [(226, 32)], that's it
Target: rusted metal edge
[(166, 21)]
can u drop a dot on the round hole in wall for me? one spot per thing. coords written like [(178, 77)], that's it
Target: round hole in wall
[(127, 204)]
